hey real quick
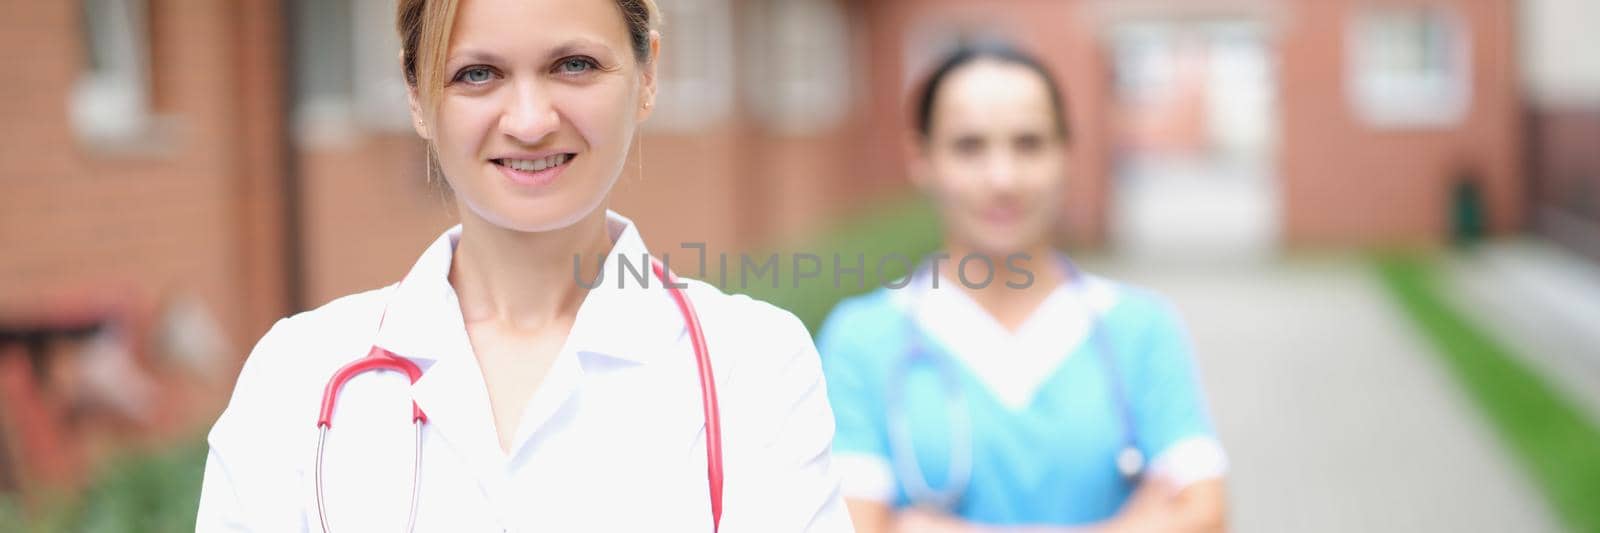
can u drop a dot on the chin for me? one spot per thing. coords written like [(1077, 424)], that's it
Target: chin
[(534, 215), (998, 249)]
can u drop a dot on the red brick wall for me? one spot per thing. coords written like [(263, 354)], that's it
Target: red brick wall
[(1346, 183), (191, 208), (192, 211), (367, 211)]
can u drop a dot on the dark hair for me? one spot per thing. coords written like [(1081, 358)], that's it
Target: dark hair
[(968, 52), (641, 17)]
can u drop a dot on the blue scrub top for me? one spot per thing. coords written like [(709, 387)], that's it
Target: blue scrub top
[(1051, 462)]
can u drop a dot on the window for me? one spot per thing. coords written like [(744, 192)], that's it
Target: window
[(799, 65), (379, 83), (111, 99), (695, 73), (347, 70), (1146, 58), (1408, 67)]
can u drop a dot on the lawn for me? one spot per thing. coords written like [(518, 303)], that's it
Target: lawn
[(1558, 446), (907, 228)]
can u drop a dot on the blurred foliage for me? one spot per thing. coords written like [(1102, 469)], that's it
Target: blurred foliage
[(1552, 438), (141, 493), (908, 228)]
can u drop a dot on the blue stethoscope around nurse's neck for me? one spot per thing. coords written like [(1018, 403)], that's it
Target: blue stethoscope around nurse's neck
[(1130, 462)]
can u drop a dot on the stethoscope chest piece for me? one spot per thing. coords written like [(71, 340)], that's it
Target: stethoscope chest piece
[(1130, 463)]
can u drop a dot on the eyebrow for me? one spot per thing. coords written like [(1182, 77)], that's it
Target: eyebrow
[(577, 45), (474, 56), (573, 46)]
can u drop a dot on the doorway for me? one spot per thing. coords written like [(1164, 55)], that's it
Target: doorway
[(1194, 136)]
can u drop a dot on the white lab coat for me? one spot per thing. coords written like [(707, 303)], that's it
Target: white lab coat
[(612, 440)]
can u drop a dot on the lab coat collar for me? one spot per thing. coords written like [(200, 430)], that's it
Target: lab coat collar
[(1056, 328), (621, 317), (624, 317), (421, 318)]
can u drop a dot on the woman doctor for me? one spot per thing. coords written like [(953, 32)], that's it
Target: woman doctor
[(549, 405), (1029, 402)]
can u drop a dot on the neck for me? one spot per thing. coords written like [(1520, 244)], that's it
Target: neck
[(525, 279), (1010, 306)]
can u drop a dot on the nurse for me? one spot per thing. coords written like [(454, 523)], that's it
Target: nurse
[(1043, 399), (561, 391)]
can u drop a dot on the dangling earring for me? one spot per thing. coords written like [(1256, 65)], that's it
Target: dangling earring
[(428, 160), (641, 158)]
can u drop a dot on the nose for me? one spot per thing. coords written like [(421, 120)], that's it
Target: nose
[(530, 116), (1000, 170)]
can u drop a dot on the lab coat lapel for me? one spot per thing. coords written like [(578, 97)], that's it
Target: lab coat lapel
[(456, 401), (619, 330), (423, 323), (624, 317)]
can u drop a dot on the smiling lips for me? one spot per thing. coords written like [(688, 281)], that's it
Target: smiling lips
[(1003, 213), (533, 172)]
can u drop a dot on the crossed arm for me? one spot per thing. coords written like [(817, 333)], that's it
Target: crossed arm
[(1156, 507)]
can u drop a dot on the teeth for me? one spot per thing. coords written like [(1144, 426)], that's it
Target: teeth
[(535, 165)]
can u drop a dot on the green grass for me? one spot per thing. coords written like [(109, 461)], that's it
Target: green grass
[(1551, 437), (138, 493), (908, 227)]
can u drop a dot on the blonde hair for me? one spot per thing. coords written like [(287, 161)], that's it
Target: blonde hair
[(425, 27)]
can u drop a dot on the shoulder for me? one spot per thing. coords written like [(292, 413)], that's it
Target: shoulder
[(1130, 304), (858, 340), (863, 320), (865, 312), (760, 352), (341, 321), (1147, 328), (746, 324), (301, 350), (280, 385)]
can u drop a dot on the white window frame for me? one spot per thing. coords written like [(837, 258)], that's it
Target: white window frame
[(799, 66), (376, 101), (697, 36), (111, 103), (380, 84), (1388, 98)]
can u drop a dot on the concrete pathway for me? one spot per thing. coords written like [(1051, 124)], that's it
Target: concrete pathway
[(1170, 206), (1336, 414)]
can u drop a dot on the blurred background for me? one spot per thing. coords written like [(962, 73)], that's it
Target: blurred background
[(1381, 219)]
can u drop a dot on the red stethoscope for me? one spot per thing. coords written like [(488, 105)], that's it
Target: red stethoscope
[(381, 359)]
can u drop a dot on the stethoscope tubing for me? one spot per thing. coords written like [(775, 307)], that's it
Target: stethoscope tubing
[(903, 451)]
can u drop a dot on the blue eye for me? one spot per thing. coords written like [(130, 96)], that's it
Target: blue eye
[(475, 75), (576, 65)]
